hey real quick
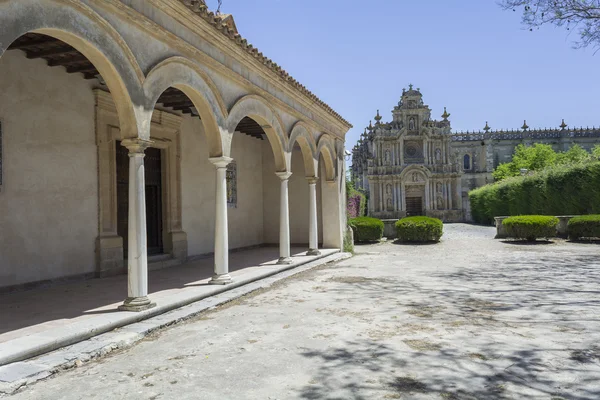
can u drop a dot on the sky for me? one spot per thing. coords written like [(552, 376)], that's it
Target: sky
[(468, 55)]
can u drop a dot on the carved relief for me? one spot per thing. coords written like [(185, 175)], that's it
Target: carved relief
[(438, 155)]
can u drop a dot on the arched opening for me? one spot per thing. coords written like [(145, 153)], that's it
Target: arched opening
[(303, 173), (467, 162), (50, 192)]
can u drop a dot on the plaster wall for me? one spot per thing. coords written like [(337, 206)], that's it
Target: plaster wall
[(49, 197), (198, 190)]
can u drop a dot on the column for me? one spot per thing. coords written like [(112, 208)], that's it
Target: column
[(381, 184), (313, 230), (450, 205), (371, 198), (221, 273), (402, 197), (284, 220), (137, 257), (402, 152)]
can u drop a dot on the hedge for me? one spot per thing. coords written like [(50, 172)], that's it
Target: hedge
[(562, 190), (366, 229), (586, 226), (530, 227), (419, 229)]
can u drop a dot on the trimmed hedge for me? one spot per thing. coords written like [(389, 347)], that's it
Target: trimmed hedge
[(366, 229), (419, 229), (585, 226), (563, 190), (530, 227)]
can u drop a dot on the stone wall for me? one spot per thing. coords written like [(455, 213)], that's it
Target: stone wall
[(49, 199)]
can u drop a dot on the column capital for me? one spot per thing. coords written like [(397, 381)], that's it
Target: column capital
[(136, 145), (220, 162), (312, 180), (284, 176)]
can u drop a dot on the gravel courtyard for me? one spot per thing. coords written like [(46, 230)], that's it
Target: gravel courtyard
[(469, 318)]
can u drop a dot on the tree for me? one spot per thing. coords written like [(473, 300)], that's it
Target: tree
[(531, 158), (580, 15)]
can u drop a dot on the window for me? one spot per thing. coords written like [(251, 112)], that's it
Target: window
[(232, 185), (467, 162)]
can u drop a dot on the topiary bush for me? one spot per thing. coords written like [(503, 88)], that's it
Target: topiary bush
[(530, 227), (366, 229), (561, 190), (419, 229), (585, 226)]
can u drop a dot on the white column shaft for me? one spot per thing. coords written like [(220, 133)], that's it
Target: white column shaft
[(313, 231), (221, 267), (284, 220)]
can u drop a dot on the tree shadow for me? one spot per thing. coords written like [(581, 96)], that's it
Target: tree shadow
[(527, 242)]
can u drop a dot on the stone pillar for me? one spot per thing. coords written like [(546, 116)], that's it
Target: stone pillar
[(313, 230), (137, 257), (284, 221), (402, 195), (427, 194), (221, 273), (381, 205), (371, 197), (402, 152), (449, 191)]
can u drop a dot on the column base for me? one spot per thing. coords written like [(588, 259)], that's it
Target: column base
[(136, 304), (285, 261), (313, 252), (224, 279)]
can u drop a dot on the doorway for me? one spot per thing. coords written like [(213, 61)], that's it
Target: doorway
[(414, 206), (153, 181)]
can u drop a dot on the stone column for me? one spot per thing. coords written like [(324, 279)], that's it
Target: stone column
[(313, 230), (427, 195), (381, 205), (371, 197), (221, 273), (137, 257), (284, 220), (402, 197), (402, 152)]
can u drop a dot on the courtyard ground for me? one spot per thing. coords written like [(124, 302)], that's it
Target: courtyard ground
[(468, 318)]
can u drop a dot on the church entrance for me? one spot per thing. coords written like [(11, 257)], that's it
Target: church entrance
[(153, 177), (414, 206)]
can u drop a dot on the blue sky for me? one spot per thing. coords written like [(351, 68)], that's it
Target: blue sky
[(468, 55)]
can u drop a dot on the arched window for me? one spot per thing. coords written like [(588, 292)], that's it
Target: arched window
[(467, 162)]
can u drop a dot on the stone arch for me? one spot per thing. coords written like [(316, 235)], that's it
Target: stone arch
[(326, 147), (82, 28), (257, 108), (408, 172), (185, 75), (302, 134)]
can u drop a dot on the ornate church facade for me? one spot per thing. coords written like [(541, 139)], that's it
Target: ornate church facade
[(414, 165)]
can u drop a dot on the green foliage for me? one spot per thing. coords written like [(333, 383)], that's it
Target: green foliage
[(366, 229), (541, 156), (356, 201), (530, 227), (561, 190), (419, 229), (586, 226)]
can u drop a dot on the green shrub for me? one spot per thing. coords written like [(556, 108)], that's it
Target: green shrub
[(366, 229), (562, 190), (530, 227), (586, 226), (419, 229)]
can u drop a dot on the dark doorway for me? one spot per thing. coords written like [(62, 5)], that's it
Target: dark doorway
[(414, 206), (153, 177)]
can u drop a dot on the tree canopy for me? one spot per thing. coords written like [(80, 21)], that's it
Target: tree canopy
[(541, 156), (580, 15)]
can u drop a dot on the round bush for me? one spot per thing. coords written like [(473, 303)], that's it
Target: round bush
[(419, 229), (530, 227), (585, 226), (366, 229)]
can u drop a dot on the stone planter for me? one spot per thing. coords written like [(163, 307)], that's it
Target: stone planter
[(389, 228), (500, 229), (561, 228)]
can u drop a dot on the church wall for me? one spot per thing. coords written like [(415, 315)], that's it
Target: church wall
[(198, 187), (299, 200), (49, 196), (271, 191)]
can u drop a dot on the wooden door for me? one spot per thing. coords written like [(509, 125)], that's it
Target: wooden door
[(414, 206), (153, 178)]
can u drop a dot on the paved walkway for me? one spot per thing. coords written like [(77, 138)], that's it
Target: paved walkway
[(469, 318), (41, 320)]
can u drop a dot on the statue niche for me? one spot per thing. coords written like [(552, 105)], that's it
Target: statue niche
[(411, 124)]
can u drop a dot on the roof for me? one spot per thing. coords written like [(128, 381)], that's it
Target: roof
[(224, 23)]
